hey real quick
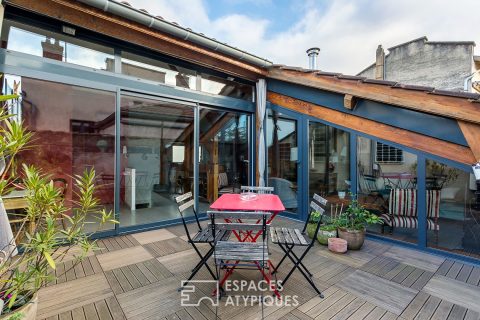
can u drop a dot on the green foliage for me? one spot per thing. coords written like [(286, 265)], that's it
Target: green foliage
[(356, 217), (315, 217), (48, 229), (329, 227)]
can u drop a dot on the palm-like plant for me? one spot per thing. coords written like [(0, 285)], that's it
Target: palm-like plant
[(43, 239)]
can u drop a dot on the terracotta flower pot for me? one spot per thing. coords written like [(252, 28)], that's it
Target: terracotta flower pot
[(28, 311), (337, 245), (355, 238), (324, 235)]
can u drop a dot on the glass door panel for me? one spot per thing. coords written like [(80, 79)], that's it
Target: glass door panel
[(283, 158), (329, 164), (223, 154), (157, 143)]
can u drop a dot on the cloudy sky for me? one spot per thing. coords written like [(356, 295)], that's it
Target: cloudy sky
[(347, 31)]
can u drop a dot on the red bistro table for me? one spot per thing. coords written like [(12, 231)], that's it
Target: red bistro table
[(264, 202)]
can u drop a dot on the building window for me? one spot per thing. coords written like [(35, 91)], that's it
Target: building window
[(388, 154)]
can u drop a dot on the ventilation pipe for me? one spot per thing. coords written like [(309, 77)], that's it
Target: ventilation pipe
[(312, 58)]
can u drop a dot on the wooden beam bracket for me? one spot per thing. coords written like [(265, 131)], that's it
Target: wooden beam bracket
[(349, 101)]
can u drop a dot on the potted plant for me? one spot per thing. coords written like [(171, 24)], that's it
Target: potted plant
[(352, 224), (312, 224), (328, 230), (43, 238)]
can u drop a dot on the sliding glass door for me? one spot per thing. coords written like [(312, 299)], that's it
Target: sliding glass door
[(156, 144), (284, 158)]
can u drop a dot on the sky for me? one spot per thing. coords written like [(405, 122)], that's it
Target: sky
[(347, 31)]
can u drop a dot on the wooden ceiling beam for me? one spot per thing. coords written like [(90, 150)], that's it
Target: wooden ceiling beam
[(451, 107), (382, 131), (81, 15), (471, 132)]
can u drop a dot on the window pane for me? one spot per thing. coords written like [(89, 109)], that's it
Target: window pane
[(224, 155), (225, 87), (329, 163), (157, 159), (453, 209), (388, 189), (73, 130), (158, 71), (56, 46), (282, 146)]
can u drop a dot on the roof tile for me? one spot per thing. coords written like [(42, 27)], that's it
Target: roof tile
[(381, 82)]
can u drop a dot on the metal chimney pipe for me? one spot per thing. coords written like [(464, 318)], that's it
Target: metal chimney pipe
[(312, 57)]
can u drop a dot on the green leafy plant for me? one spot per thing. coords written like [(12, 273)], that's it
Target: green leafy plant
[(315, 217), (49, 228), (356, 217), (329, 227)]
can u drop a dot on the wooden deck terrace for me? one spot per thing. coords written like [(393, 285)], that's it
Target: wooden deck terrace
[(137, 277)]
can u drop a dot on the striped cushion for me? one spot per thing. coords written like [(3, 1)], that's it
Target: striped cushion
[(222, 180), (407, 222), (403, 202), (433, 203)]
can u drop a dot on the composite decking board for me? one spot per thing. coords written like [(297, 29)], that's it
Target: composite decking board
[(153, 236), (415, 305), (443, 310), (123, 257), (402, 275), (386, 294), (66, 296), (122, 280), (429, 307), (375, 314), (422, 280), (415, 258), (457, 312), (472, 315), (454, 270), (464, 273), (362, 312), (474, 277), (331, 268), (446, 265), (78, 314), (455, 291), (412, 277)]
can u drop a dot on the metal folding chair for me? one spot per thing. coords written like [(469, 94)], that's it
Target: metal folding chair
[(229, 255), (259, 190), (288, 239), (203, 235)]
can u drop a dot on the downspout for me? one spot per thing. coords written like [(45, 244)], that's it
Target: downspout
[(159, 24), (467, 83)]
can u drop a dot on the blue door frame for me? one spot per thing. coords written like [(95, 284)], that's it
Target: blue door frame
[(302, 167)]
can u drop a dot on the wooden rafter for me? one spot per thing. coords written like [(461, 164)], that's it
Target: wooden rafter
[(446, 106), (404, 137), (471, 132)]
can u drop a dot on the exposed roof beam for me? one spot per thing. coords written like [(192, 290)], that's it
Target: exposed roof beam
[(446, 106)]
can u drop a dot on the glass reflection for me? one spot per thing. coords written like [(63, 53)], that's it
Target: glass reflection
[(387, 187)]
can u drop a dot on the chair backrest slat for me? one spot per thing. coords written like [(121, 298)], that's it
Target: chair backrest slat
[(239, 226), (320, 199), (316, 207), (183, 197), (239, 214), (259, 190), (186, 205)]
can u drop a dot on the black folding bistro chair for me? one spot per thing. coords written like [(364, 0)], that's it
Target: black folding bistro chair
[(259, 190), (203, 235), (230, 255), (288, 239)]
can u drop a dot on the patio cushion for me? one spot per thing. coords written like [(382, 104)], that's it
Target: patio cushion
[(403, 202), (222, 180), (433, 203), (407, 222)]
